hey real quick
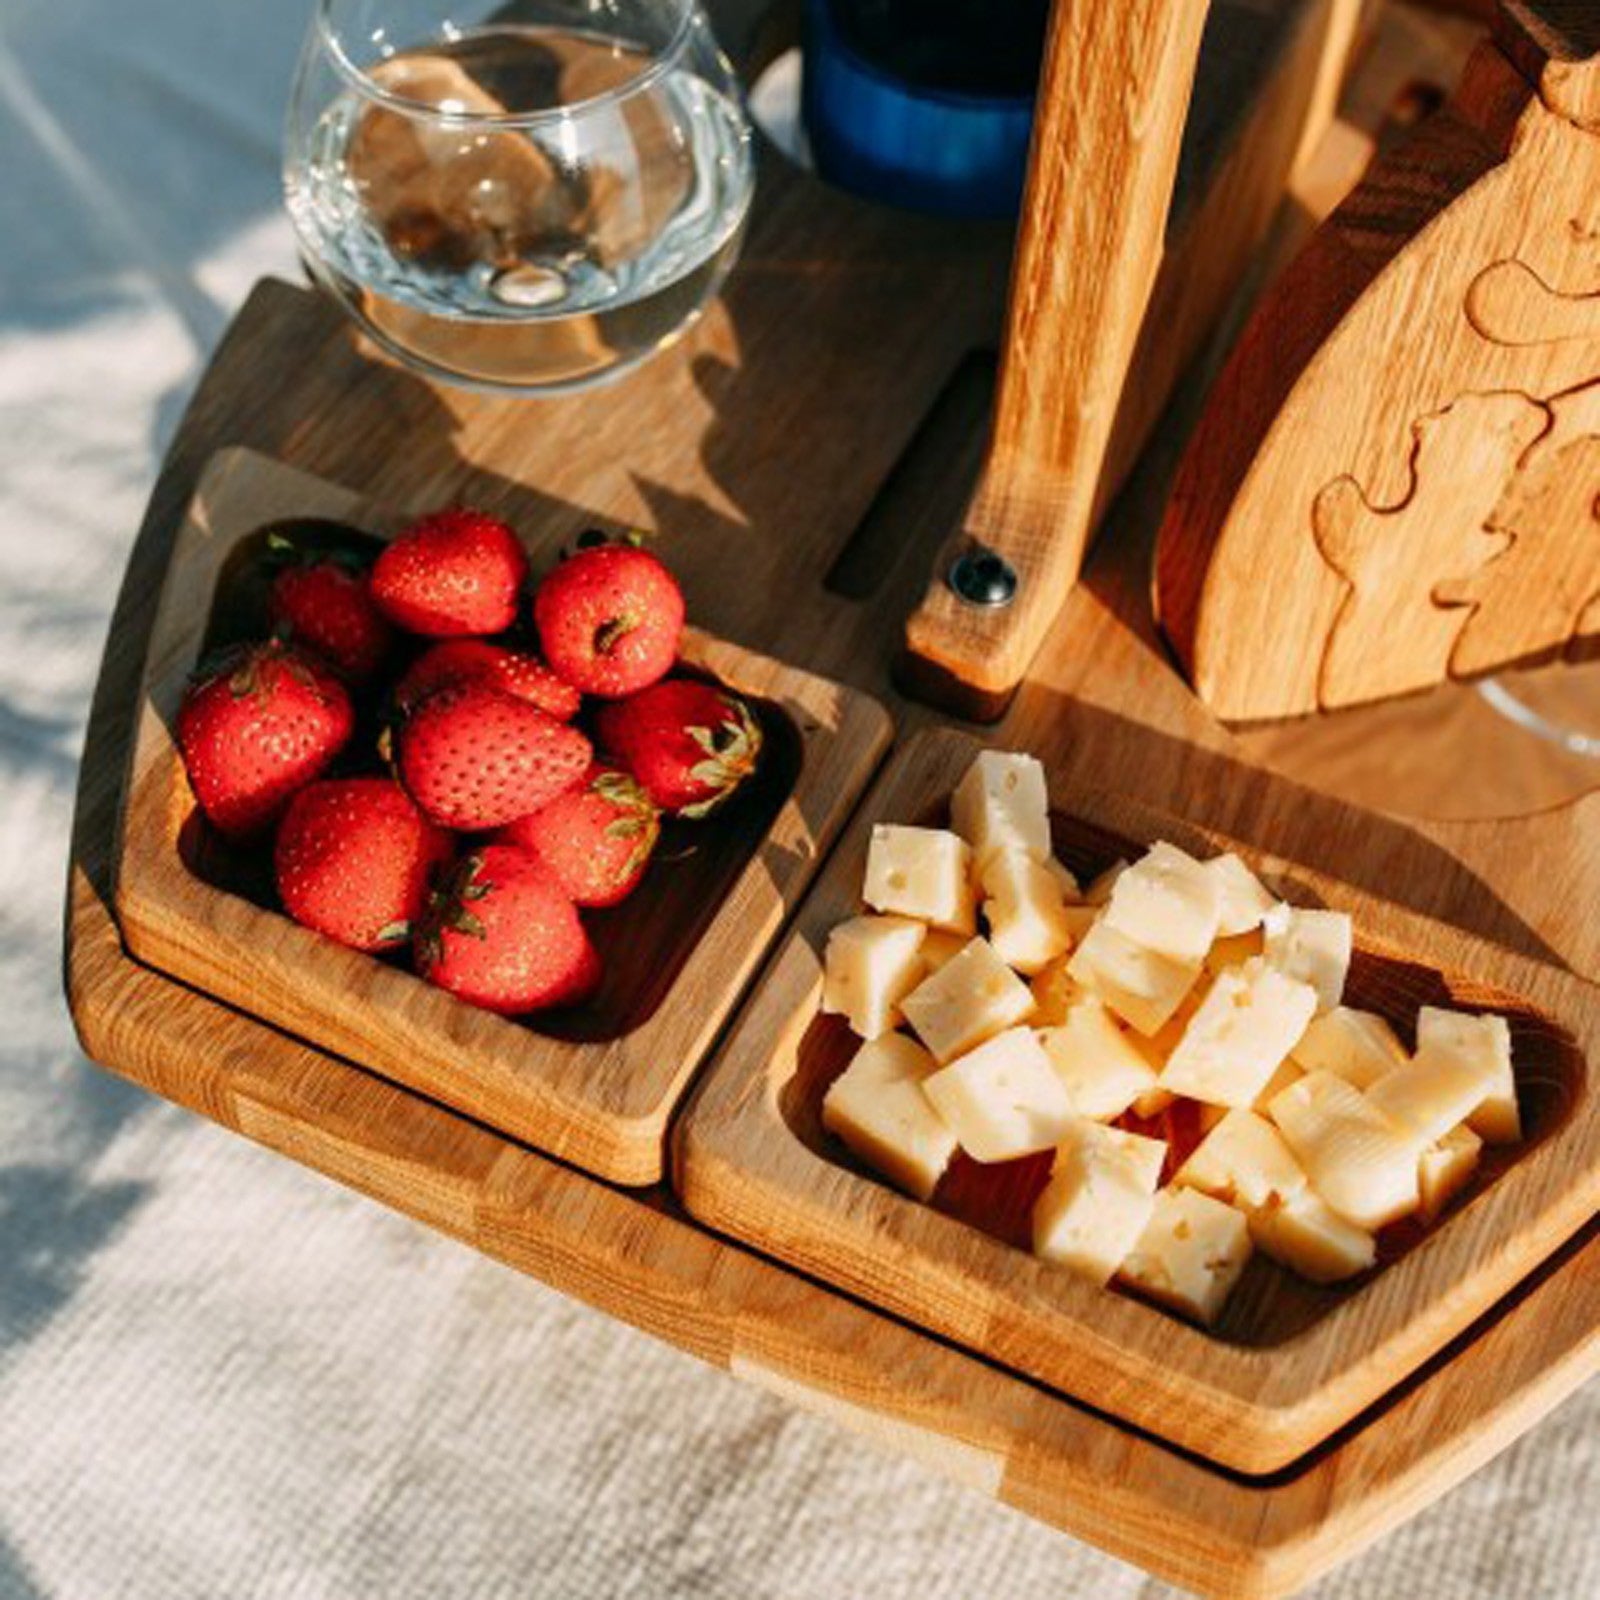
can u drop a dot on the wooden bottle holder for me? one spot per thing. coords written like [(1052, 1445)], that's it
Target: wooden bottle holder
[(818, 421)]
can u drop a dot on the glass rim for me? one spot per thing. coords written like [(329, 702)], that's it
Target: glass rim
[(362, 81)]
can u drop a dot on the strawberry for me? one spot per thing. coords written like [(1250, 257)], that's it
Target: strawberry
[(477, 661), (354, 857), (455, 573), (609, 620), (596, 840), (474, 757), (323, 602), (501, 934), (690, 744), (262, 723)]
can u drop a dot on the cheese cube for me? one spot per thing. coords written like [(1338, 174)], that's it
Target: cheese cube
[(1055, 993), (1063, 876), (1358, 1046), (1191, 1253), (1167, 902), (872, 964), (1428, 1097), (1153, 1102), (1233, 952), (1094, 1058), (1158, 1047), (1243, 1161), (1445, 1169), (1290, 1072), (1099, 890), (1353, 1155), (1486, 1038), (878, 1109), (1001, 804), (1142, 987), (1242, 899), (1003, 1100), (1239, 1037), (1025, 909), (1307, 1236), (938, 945), (1313, 946), (972, 997), (924, 873), (1101, 1191)]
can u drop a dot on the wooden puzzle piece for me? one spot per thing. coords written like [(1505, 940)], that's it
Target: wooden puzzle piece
[(1393, 558), (1545, 588), (1511, 304)]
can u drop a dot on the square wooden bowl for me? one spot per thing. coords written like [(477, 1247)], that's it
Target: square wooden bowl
[(595, 1085), (1289, 1362)]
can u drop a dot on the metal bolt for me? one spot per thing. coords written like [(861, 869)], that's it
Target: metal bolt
[(982, 578)]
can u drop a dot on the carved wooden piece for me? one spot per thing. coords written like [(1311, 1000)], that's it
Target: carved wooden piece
[(1109, 301), (1396, 476), (595, 1087)]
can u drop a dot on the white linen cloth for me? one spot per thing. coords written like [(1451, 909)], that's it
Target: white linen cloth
[(221, 1375)]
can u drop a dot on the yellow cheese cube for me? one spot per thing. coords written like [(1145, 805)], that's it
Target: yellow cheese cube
[(1242, 899), (1312, 946), (871, 965), (1289, 1072), (1025, 910), (1153, 1102), (1445, 1169), (1234, 951), (1245, 1027), (1001, 804), (1142, 987), (1353, 1155), (1358, 1046), (1167, 902), (938, 945), (972, 997), (1243, 1161), (1099, 890), (1055, 992), (924, 873), (1308, 1237), (1101, 1191), (878, 1109), (1428, 1097), (1003, 1100), (1191, 1253), (1094, 1058), (1486, 1038)]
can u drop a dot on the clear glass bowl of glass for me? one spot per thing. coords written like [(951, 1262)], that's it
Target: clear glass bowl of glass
[(532, 196)]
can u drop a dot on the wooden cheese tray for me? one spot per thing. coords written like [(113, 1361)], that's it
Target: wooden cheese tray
[(1289, 1362), (595, 1085), (802, 456)]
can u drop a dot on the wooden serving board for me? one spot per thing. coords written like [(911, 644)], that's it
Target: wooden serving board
[(594, 1085), (801, 457), (1289, 1362)]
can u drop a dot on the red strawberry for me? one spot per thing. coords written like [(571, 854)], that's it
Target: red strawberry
[(325, 603), (477, 661), (596, 840), (457, 572), (475, 757), (609, 620), (354, 857), (690, 744), (261, 725), (501, 934)]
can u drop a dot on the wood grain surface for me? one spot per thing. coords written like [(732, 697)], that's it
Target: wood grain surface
[(1398, 476), (595, 1085), (802, 422), (1288, 1363)]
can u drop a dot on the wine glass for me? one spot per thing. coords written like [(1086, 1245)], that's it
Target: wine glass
[(532, 196)]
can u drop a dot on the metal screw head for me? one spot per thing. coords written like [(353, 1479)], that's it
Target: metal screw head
[(982, 578)]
